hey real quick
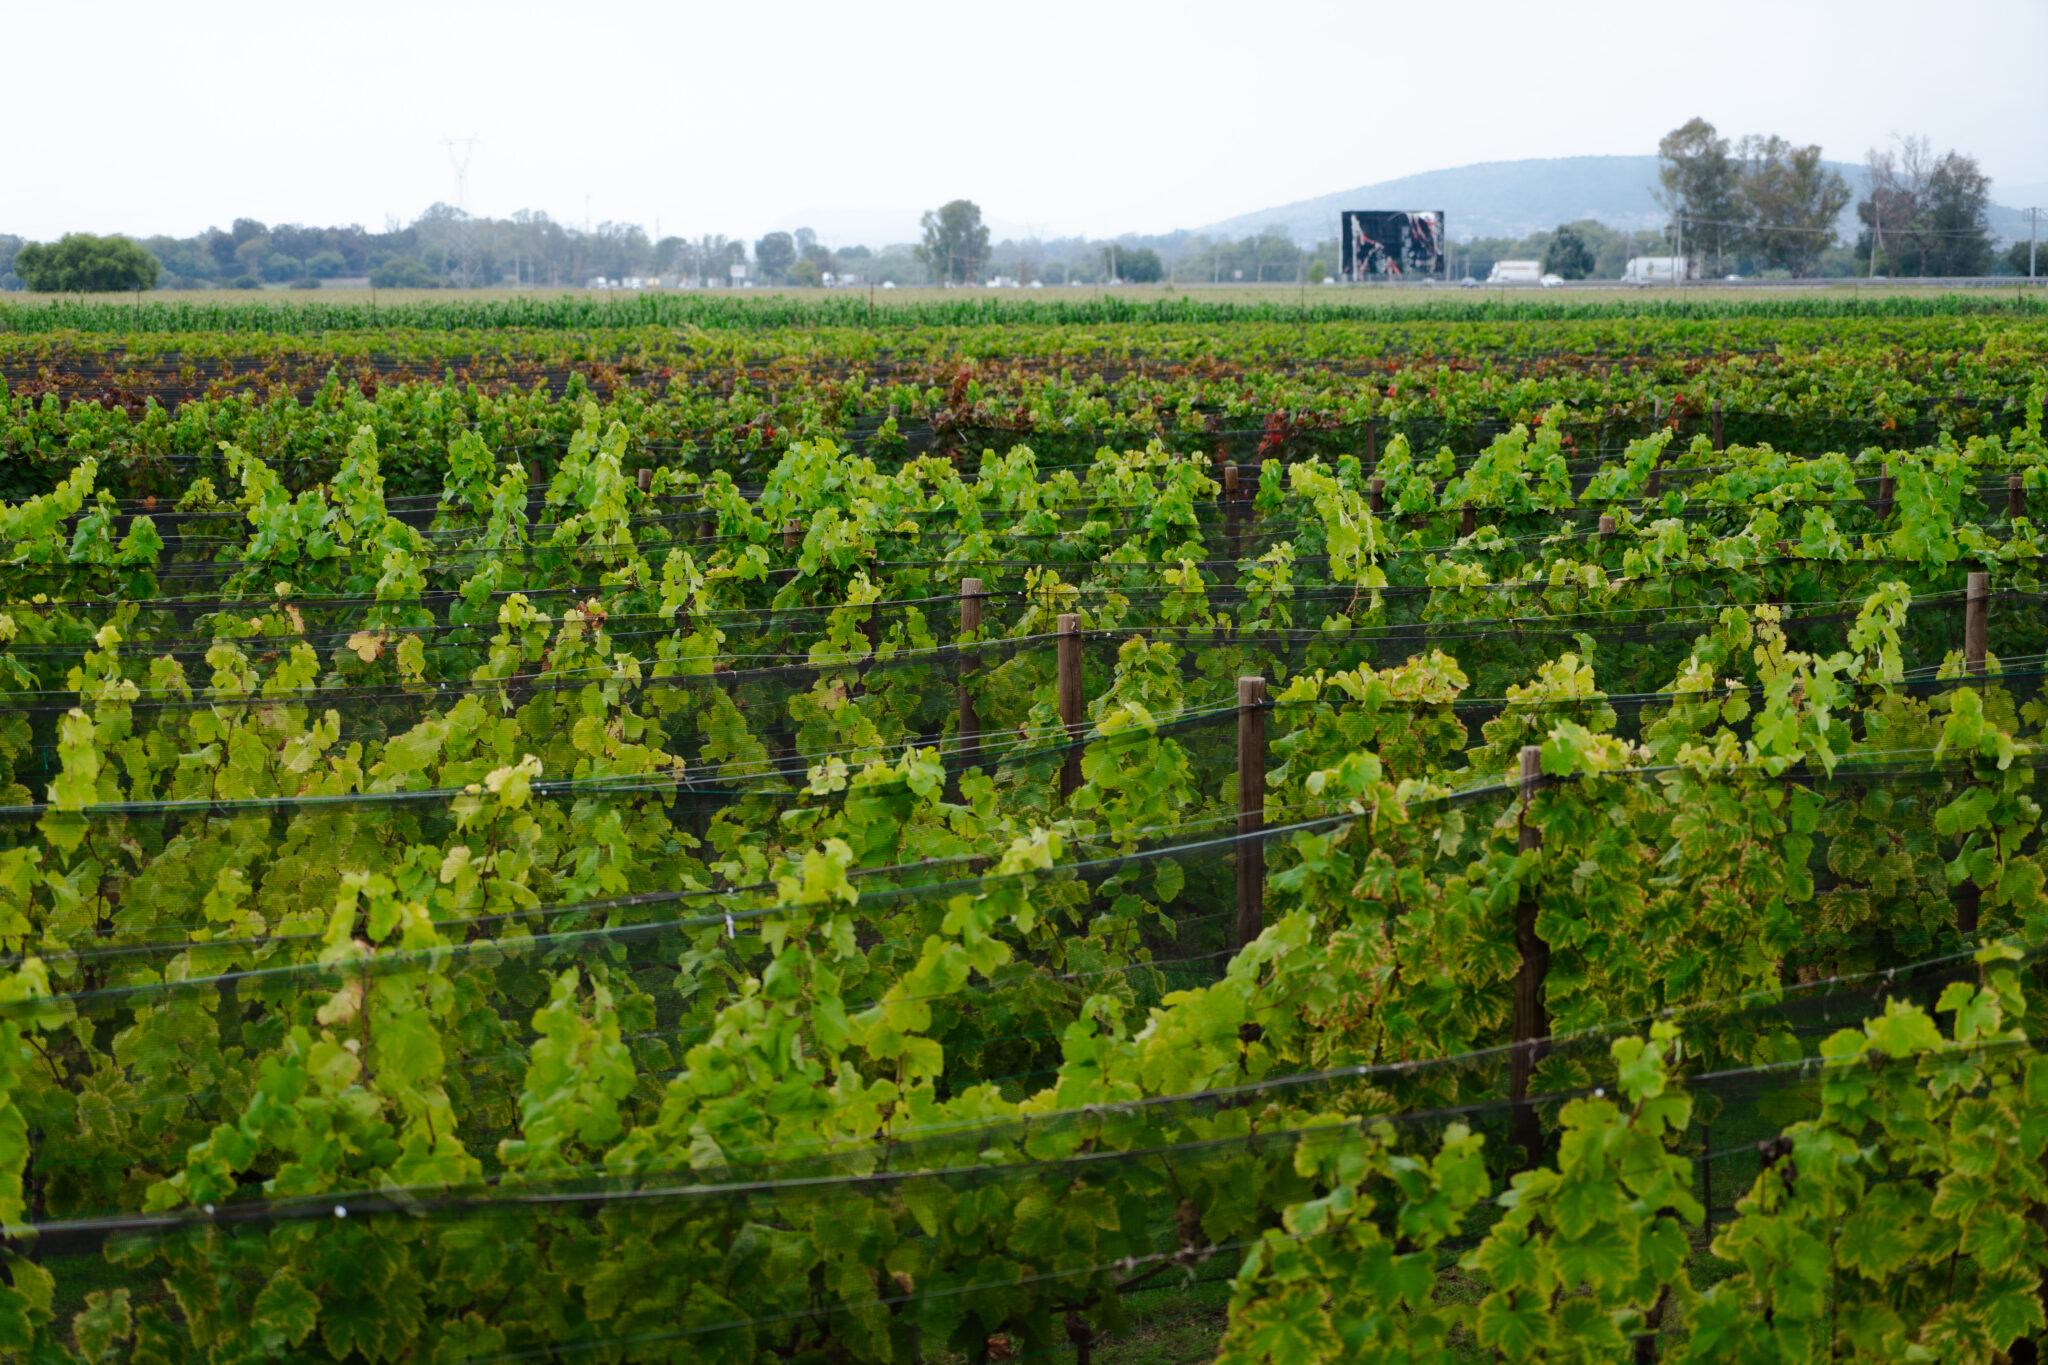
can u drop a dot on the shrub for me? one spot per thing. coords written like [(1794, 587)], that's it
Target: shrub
[(403, 272), (1139, 265)]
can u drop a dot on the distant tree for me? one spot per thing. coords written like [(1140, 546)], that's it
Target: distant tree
[(1700, 185), (1958, 218), (2024, 257), (82, 263), (1138, 265), (297, 240), (805, 273), (675, 253), (1568, 256), (854, 253), (1926, 215), (251, 253), (615, 250), (774, 254), (1789, 202), (815, 256), (955, 245), (325, 265), (402, 272), (221, 246), (716, 256), (185, 260)]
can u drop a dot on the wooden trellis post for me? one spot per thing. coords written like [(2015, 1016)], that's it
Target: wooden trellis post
[(970, 624), (1976, 621), (1976, 632), (1532, 1022), (1251, 809), (1071, 708), (1230, 511)]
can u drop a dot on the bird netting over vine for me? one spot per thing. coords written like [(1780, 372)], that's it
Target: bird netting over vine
[(545, 1186), (862, 915)]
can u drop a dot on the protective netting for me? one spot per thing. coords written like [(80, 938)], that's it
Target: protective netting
[(712, 727), (202, 555), (894, 914), (942, 1236), (498, 1081)]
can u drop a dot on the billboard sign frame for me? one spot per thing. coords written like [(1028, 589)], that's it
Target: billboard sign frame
[(1391, 244)]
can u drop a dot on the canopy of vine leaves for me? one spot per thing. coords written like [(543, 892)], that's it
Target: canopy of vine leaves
[(728, 870)]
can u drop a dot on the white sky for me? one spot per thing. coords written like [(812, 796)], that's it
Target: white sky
[(1067, 117)]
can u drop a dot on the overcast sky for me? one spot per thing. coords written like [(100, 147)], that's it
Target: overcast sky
[(1064, 117)]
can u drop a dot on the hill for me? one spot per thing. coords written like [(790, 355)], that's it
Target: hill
[(1515, 198), (1490, 199)]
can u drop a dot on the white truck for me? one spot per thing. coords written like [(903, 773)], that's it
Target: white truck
[(1516, 272), (1657, 270)]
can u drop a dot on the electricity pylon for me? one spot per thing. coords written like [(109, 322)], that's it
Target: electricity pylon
[(461, 240)]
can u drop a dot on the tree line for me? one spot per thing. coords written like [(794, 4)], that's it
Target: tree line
[(1762, 203), (443, 247), (446, 248), (1750, 206)]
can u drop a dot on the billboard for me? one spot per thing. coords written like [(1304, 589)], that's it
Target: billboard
[(1391, 245)]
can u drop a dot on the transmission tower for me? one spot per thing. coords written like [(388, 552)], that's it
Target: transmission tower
[(461, 240)]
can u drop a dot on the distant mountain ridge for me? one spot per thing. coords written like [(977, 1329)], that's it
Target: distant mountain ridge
[(1490, 199), (1516, 198)]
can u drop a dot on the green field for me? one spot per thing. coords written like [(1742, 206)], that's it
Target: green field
[(1291, 292)]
